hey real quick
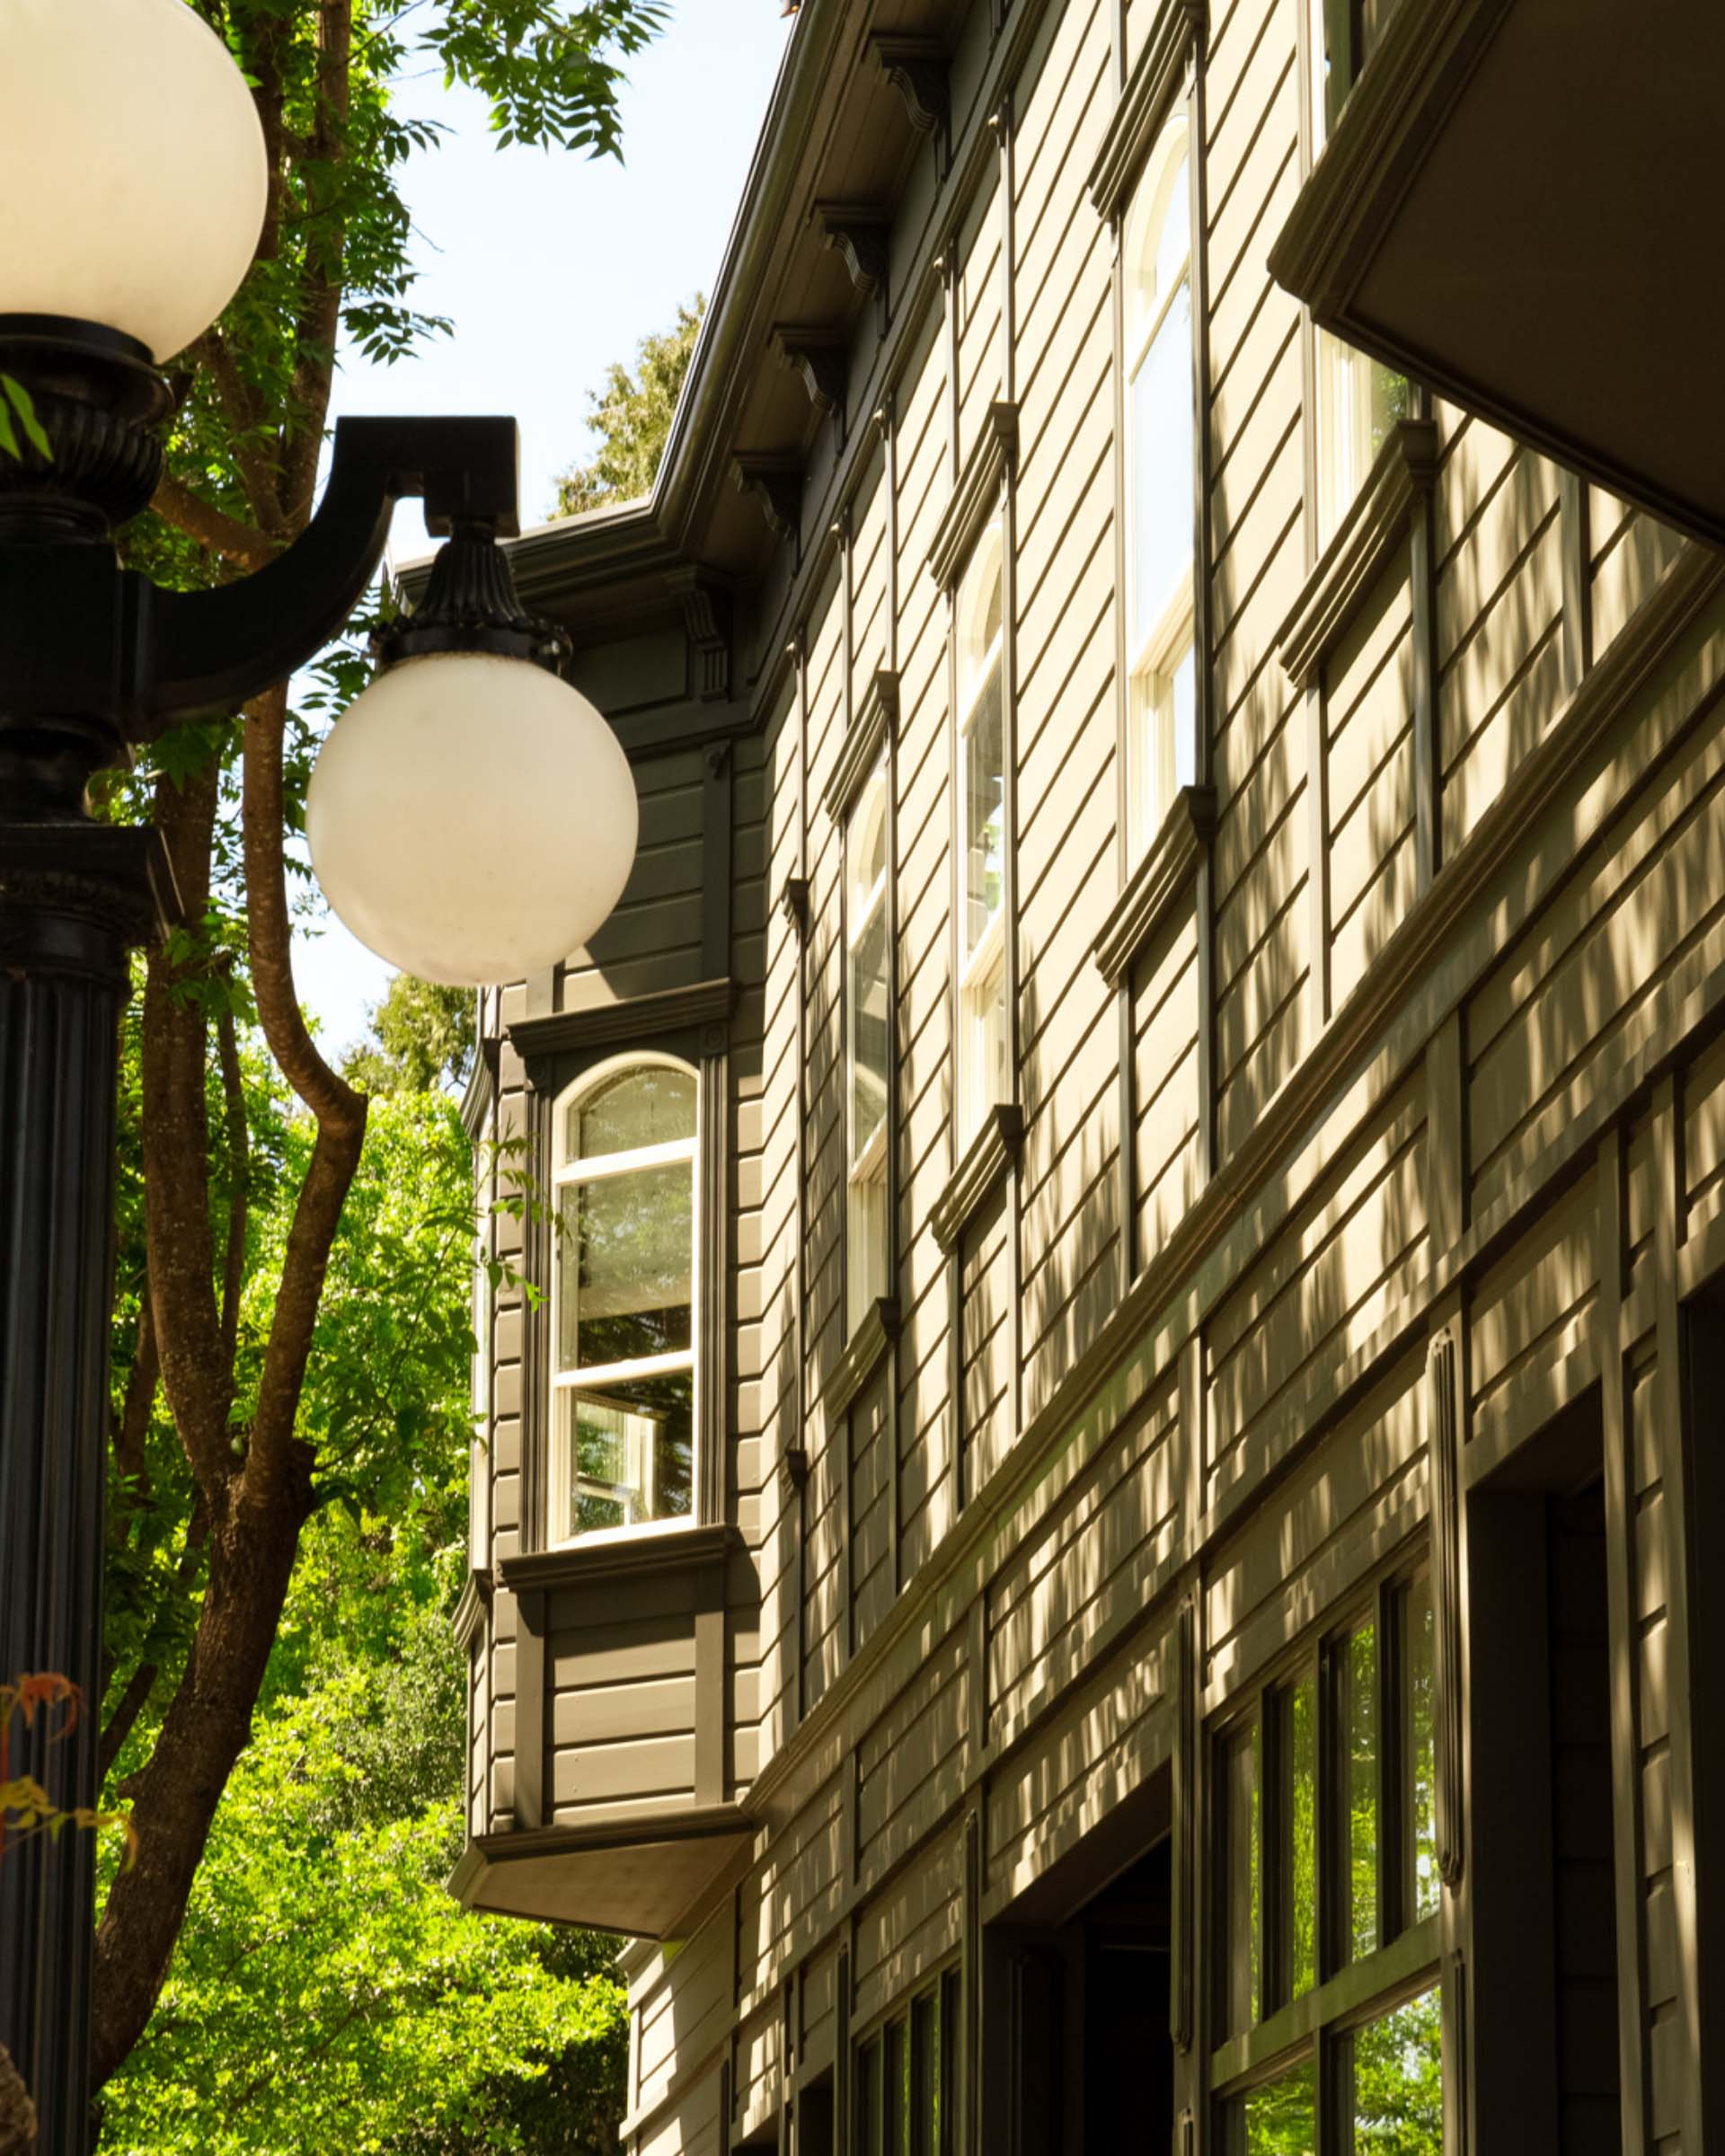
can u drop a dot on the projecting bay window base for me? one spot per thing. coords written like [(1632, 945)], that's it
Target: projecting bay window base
[(636, 1877)]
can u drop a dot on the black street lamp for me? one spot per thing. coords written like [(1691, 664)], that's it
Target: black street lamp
[(473, 818)]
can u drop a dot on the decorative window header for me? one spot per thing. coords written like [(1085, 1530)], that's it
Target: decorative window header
[(874, 725), (992, 460), (1150, 89)]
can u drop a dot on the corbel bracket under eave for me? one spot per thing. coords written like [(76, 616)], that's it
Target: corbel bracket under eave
[(917, 68), (705, 600), (861, 233), (775, 481), (822, 355)]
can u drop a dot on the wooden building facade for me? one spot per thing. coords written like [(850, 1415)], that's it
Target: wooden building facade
[(1093, 1452)]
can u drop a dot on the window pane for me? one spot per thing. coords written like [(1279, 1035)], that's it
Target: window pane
[(1278, 2119), (1359, 401), (867, 1018), (1174, 236), (1161, 468), (629, 1452), (867, 2099), (1419, 1749), (651, 1105), (625, 1247), (866, 1243), (983, 1076), (1241, 1782), (985, 796), (1183, 704), (1356, 1703), (1392, 2082), (1297, 1755)]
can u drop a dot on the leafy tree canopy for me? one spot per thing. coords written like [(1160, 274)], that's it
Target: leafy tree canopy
[(631, 416), (423, 1036)]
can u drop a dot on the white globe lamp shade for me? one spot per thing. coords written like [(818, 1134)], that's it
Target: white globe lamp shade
[(471, 818), (132, 167)]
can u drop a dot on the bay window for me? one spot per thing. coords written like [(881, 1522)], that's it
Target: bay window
[(866, 992), (624, 1295), (1159, 434), (983, 1051)]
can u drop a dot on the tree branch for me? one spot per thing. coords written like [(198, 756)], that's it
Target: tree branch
[(175, 1130), (239, 1182), (131, 1435), (319, 313), (222, 535), (245, 420)]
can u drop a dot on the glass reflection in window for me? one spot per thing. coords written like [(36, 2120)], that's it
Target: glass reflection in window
[(983, 1046), (1392, 2072), (1356, 1703), (1276, 2118), (623, 1288), (1296, 1750), (866, 1016)]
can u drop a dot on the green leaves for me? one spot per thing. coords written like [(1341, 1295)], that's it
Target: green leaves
[(18, 414), (632, 418)]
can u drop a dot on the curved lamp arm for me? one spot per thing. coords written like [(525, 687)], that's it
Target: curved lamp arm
[(205, 651)]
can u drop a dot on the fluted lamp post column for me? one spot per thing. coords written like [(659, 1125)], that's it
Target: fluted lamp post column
[(471, 817)]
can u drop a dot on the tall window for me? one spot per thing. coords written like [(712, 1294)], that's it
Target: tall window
[(1359, 399), (865, 1044), (1159, 510), (624, 1299), (983, 1076), (907, 2077), (1328, 1850)]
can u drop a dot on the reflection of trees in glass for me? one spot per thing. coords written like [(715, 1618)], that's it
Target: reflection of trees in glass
[(1358, 1685), (1393, 2086), (627, 1244), (651, 1104), (1298, 1708), (985, 797), (1242, 1785), (1280, 2118), (1420, 1748)]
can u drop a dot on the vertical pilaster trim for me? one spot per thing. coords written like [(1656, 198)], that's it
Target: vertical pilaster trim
[(1184, 1989), (1679, 1571), (1127, 1169), (1575, 518), (1443, 1435), (1318, 824), (1456, 2020), (1203, 565), (844, 2125), (530, 1808), (1116, 42), (1009, 903), (885, 419), (976, 1654), (949, 268), (1191, 1439), (1428, 782), (799, 660), (839, 1435), (725, 2114), (1001, 120), (536, 1260), (1447, 1136), (1624, 1647), (971, 2094)]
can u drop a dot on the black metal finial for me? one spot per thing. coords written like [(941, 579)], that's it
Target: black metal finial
[(471, 605)]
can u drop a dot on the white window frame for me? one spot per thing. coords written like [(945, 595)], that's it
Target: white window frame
[(1164, 642), (564, 1173), (982, 970), (866, 1175)]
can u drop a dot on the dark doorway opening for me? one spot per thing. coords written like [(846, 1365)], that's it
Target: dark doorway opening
[(1077, 2055), (1544, 1894)]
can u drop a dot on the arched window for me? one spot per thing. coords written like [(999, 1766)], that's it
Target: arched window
[(865, 1045), (1160, 516), (623, 1449), (983, 1077)]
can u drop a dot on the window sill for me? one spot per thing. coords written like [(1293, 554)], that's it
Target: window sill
[(1158, 882), (1150, 89), (681, 1544), (863, 1356), (1355, 559), (983, 1166)]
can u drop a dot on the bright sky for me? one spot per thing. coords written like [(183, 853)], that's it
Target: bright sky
[(551, 266)]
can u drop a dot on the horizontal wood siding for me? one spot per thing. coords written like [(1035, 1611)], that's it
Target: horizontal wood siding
[(1628, 551), (977, 296), (873, 1585), (906, 1762), (908, 1931), (1167, 1167), (653, 938), (1369, 780), (985, 1345)]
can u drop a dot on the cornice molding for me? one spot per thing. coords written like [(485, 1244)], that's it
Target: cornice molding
[(992, 462), (873, 726), (861, 233), (1358, 554), (476, 1097), (630, 1020), (678, 1549), (1158, 882), (1386, 130), (862, 1357), (1175, 36), (985, 1164), (822, 354)]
